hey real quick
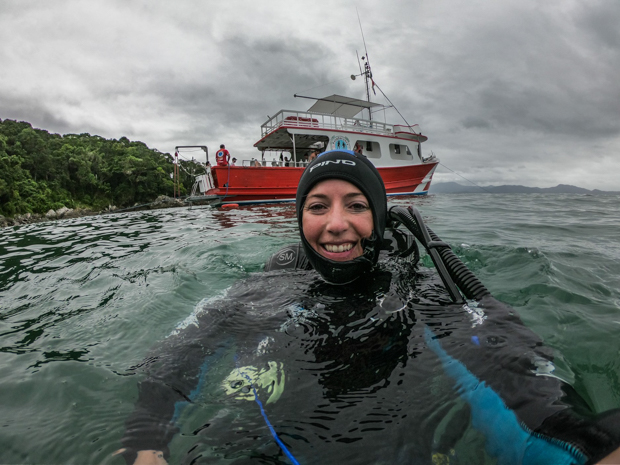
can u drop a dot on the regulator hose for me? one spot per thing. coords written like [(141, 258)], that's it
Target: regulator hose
[(452, 271), (471, 286)]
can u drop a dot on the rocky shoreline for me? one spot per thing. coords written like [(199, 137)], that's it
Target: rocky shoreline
[(64, 213)]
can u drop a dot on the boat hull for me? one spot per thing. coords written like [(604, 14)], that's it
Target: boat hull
[(241, 184)]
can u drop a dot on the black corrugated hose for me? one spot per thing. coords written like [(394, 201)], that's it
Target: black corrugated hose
[(451, 269)]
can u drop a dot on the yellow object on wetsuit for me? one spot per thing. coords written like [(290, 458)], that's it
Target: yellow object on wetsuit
[(441, 459), (271, 378)]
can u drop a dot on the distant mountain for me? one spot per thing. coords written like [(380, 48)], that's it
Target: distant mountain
[(455, 188)]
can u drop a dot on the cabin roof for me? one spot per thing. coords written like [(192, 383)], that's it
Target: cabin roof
[(339, 105)]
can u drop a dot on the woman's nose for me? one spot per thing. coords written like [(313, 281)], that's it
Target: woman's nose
[(336, 221)]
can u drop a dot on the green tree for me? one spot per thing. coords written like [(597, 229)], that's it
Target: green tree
[(39, 171)]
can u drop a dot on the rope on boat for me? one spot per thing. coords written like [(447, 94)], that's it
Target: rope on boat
[(227, 183), (407, 123)]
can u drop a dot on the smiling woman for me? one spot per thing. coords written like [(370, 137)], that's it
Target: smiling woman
[(342, 212)]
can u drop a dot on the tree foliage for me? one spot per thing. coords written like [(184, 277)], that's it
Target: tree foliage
[(40, 171)]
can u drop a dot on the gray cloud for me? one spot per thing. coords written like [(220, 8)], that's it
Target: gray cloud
[(508, 92)]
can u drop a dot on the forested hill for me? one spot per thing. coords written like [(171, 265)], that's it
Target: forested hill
[(40, 171)]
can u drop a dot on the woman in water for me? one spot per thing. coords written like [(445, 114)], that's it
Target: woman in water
[(368, 356)]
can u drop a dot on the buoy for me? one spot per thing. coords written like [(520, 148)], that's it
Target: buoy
[(230, 205)]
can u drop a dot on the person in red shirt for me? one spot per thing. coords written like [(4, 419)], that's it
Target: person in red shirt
[(222, 156)]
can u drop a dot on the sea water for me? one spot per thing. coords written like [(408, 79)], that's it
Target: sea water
[(84, 300)]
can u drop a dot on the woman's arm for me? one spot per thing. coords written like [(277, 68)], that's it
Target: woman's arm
[(505, 373), (174, 369)]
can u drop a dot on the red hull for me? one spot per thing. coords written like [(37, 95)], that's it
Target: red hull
[(273, 184)]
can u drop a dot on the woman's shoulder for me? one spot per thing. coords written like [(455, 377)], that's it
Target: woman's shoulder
[(289, 257)]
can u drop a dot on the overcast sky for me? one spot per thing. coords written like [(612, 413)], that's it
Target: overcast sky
[(508, 92)]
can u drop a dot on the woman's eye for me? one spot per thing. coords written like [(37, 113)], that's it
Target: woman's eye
[(358, 207), (317, 207)]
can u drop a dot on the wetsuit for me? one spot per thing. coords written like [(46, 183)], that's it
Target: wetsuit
[(363, 373), (526, 413)]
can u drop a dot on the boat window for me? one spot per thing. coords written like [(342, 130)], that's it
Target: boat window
[(372, 149), (400, 152)]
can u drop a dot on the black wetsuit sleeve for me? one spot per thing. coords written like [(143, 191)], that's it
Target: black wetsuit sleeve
[(290, 257), (174, 369), (503, 357)]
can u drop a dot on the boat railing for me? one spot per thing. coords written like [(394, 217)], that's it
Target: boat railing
[(305, 119), (400, 129), (254, 163)]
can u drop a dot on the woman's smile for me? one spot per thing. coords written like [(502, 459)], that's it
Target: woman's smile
[(338, 248)]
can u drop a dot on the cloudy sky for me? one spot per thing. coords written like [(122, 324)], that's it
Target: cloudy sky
[(508, 92)]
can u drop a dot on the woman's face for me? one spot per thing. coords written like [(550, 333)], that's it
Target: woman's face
[(336, 217)]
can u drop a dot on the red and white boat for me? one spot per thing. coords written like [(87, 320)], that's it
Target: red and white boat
[(288, 139)]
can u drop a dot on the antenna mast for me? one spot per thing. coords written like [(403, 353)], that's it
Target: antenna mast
[(367, 71)]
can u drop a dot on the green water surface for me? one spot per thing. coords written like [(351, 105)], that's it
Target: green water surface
[(83, 300)]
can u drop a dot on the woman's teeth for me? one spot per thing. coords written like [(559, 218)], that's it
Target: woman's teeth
[(338, 248)]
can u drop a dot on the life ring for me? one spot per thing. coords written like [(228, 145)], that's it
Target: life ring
[(230, 205)]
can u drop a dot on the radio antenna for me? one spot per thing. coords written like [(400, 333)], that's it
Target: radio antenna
[(362, 31), (367, 70)]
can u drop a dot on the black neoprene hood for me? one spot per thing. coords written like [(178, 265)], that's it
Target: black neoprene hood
[(356, 169)]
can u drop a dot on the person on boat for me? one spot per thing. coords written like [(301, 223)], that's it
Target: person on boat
[(360, 335), (358, 148), (234, 162), (222, 156)]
